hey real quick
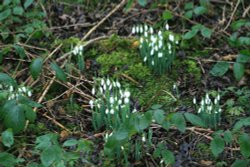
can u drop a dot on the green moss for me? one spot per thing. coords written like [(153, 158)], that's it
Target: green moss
[(193, 69)]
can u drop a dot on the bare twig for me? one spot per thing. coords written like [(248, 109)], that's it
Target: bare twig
[(232, 15)]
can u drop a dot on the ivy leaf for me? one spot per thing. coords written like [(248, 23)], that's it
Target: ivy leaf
[(206, 32), (28, 3), (142, 2), (238, 70), (168, 156), (59, 72), (179, 121), (70, 142), (7, 138), (190, 34), (200, 10), (159, 116), (18, 10), (5, 14), (217, 145), (220, 69), (194, 119), (7, 160), (50, 155), (245, 145), (36, 67), (14, 116)]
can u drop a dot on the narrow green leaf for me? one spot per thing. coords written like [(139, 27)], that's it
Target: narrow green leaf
[(36, 67), (28, 3), (59, 72), (194, 119), (7, 138), (217, 145), (20, 51), (80, 62), (239, 70), (245, 145), (220, 69)]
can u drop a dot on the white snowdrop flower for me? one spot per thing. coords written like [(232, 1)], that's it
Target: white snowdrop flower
[(19, 90), (199, 110), (207, 100), (114, 84), (170, 51), (133, 30), (167, 26), (121, 93), (101, 90), (127, 94), (106, 136), (176, 42), (110, 86), (152, 52), (104, 87), (156, 48), (126, 115), (153, 120), (141, 40), (194, 100), (29, 93), (210, 108), (98, 105), (102, 82), (169, 46), (134, 110), (218, 97), (174, 87), (161, 162), (118, 84), (111, 134), (74, 52), (160, 54), (11, 89), (207, 96), (93, 91), (81, 48), (141, 29), (159, 33), (108, 82), (107, 111), (151, 30), (1, 86), (146, 34), (126, 100), (119, 101), (122, 147), (143, 138), (215, 101), (160, 44), (202, 103), (145, 59), (146, 27), (153, 63), (171, 38), (111, 100), (137, 29), (112, 111), (91, 103), (220, 110)]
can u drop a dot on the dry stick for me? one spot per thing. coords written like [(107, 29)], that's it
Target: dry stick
[(104, 19), (232, 15)]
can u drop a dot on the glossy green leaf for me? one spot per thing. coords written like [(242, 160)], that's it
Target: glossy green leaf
[(239, 70), (70, 142), (5, 14), (20, 51), (179, 121), (200, 10), (241, 123), (189, 6), (189, 14), (217, 145), (206, 32), (14, 116), (6, 2), (228, 136), (190, 34), (28, 3), (7, 160), (30, 114), (36, 67), (7, 138), (159, 116), (142, 2), (245, 145), (18, 10), (50, 155), (168, 157), (156, 106), (241, 163), (243, 57), (194, 119), (167, 15), (6, 79), (220, 69), (59, 72)]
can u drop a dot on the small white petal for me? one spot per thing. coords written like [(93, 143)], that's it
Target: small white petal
[(167, 26), (112, 111)]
